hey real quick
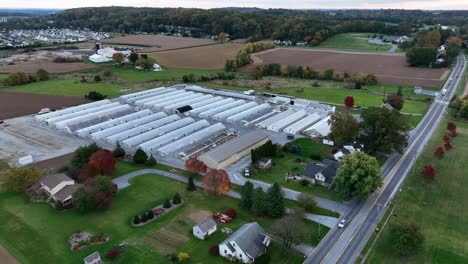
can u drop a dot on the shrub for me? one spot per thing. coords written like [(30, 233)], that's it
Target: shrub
[(231, 213), (167, 204), (140, 157), (149, 215), (214, 250), (439, 152), (17, 78), (97, 78), (304, 182), (59, 206), (113, 253), (172, 257), (95, 96), (298, 159), (42, 74), (151, 161), (118, 152), (176, 199), (136, 220), (315, 156), (107, 73), (307, 202), (144, 218), (191, 185), (451, 126), (183, 257)]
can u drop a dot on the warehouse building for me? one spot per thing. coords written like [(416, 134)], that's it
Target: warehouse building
[(233, 150)]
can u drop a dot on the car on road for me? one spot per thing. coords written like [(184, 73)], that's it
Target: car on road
[(342, 223), (247, 173)]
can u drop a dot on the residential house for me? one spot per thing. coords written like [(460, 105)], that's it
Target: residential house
[(322, 173), (59, 187), (348, 149), (246, 244), (205, 228), (264, 163), (94, 258)]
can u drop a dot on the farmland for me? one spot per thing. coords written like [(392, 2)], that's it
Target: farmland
[(207, 57), (159, 42), (51, 67), (388, 67), (437, 208), (352, 41)]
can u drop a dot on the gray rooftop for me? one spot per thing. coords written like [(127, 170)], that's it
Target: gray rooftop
[(92, 257), (51, 181), (207, 224), (66, 192), (249, 238), (236, 145)]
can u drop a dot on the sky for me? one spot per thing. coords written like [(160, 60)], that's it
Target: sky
[(291, 4)]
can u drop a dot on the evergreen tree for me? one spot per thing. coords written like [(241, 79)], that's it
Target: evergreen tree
[(140, 157), (191, 185), (176, 199), (167, 204), (118, 152), (247, 195), (136, 220), (275, 201), (259, 206), (150, 214), (152, 161)]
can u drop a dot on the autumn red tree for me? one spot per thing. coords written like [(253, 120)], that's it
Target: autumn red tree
[(195, 165), (88, 171), (451, 126), (308, 38), (103, 161), (447, 137), (349, 101), (231, 213), (217, 182), (428, 172), (222, 37), (448, 145), (439, 152)]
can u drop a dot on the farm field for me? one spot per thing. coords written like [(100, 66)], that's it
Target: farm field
[(27, 227), (439, 209), (171, 74), (207, 57), (51, 67), (388, 67), (159, 42), (352, 41), (17, 104)]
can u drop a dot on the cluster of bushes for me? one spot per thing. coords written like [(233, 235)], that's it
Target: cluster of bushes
[(267, 150), (261, 203), (18, 78), (101, 237), (243, 58), (95, 96), (460, 107), (145, 217), (140, 157), (190, 78), (67, 59)]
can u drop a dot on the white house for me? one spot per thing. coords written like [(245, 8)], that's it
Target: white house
[(348, 149), (94, 258), (246, 244), (204, 228), (60, 187)]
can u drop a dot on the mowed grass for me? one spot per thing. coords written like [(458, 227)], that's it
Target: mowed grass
[(352, 41), (35, 231), (207, 57), (439, 209)]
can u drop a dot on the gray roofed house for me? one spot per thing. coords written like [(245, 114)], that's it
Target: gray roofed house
[(204, 228), (94, 258), (60, 187), (321, 173), (51, 181), (246, 244)]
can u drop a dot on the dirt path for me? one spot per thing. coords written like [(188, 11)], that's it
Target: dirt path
[(6, 258)]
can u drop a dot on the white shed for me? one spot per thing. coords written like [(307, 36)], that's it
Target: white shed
[(204, 228)]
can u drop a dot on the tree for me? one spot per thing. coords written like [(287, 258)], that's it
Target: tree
[(118, 58), (421, 56), (183, 257), (167, 204), (17, 78), (230, 66), (246, 193), (406, 238), (107, 73), (151, 161), (97, 78), (144, 63), (358, 176), (176, 199), (222, 36), (87, 171), (259, 202), (383, 130), (307, 202), (133, 57), (195, 165), (217, 182), (113, 253), (290, 230), (42, 75), (150, 215), (82, 155), (140, 156), (451, 126), (96, 193), (344, 128), (349, 102), (396, 101), (95, 96), (19, 179), (275, 200), (432, 38), (118, 152), (103, 161), (439, 152), (191, 185), (428, 172), (328, 74), (136, 220), (214, 250)]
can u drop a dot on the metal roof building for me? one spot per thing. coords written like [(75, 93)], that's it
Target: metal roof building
[(84, 132), (321, 129), (148, 95), (198, 98), (128, 96), (221, 108), (218, 92), (142, 138), (158, 142), (181, 98), (233, 111), (191, 139), (303, 124), (275, 118), (123, 127), (166, 98), (57, 119), (75, 127), (162, 120), (70, 110), (249, 112), (233, 150), (206, 102), (141, 102), (213, 105), (278, 126)]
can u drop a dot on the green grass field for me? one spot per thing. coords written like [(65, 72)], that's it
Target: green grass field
[(33, 231), (439, 209), (136, 76), (353, 41)]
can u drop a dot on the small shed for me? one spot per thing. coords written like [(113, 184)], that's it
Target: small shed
[(204, 228), (264, 163), (94, 258)]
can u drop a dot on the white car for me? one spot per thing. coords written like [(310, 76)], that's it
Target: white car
[(247, 173), (342, 223)]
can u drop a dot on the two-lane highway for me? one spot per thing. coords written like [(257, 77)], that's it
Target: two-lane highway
[(344, 246)]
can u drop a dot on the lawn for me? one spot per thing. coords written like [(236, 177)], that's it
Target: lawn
[(286, 162), (353, 41), (32, 231), (439, 209), (131, 75)]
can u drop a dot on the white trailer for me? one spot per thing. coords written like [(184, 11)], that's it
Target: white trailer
[(84, 132), (275, 118), (249, 112), (191, 139), (148, 95), (210, 106), (302, 124), (278, 126), (162, 120), (123, 127), (233, 111), (70, 110), (57, 119), (198, 98), (158, 142), (221, 108), (141, 102), (139, 139)]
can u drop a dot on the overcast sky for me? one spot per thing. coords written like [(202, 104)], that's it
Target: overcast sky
[(302, 4)]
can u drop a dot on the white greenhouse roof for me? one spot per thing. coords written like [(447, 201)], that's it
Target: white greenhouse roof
[(320, 129), (265, 123), (210, 106), (249, 112), (302, 124), (235, 110), (55, 120), (139, 129), (221, 108), (286, 121), (70, 110)]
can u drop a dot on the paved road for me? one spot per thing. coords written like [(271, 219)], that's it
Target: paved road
[(344, 246), (380, 42)]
